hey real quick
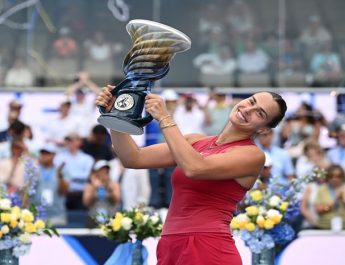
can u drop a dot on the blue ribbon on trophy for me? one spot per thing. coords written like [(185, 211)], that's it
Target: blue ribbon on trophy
[(154, 45)]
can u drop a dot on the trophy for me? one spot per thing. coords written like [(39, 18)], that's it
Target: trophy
[(154, 45)]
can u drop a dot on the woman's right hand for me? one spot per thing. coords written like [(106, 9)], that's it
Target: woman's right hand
[(105, 98)]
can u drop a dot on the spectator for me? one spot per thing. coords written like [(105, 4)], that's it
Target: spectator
[(314, 35), (336, 155), (65, 46), (11, 118), (96, 145), (101, 194), (76, 170), (217, 110), (189, 116), (12, 168), (57, 129), (216, 63), (19, 75), (253, 59), (325, 66), (98, 48), (265, 175), (52, 187), (289, 61), (313, 157), (330, 201), (282, 167)]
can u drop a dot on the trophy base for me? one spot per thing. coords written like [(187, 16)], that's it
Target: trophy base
[(120, 125)]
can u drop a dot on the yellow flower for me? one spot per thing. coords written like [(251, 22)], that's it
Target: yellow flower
[(284, 206), (260, 220), (30, 228), (138, 217), (269, 224), (5, 229), (274, 215), (256, 195), (0, 234), (27, 216), (13, 223), (5, 217), (252, 210), (234, 223), (250, 227), (116, 223), (15, 212), (242, 219), (39, 224)]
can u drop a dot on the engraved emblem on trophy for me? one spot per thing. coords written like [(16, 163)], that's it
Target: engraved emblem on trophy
[(154, 45)]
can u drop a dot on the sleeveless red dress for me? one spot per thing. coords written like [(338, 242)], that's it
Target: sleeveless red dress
[(196, 230)]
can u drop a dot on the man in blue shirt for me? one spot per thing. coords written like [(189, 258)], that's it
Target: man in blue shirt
[(337, 154)]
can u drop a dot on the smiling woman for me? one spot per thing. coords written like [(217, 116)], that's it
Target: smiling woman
[(212, 175)]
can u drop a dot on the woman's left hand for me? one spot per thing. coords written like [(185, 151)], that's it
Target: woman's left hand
[(155, 105)]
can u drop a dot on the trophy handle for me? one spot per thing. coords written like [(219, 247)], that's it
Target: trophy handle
[(102, 110)]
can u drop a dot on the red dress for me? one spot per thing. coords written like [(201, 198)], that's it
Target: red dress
[(196, 230)]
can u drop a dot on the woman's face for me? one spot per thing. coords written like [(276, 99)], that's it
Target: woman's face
[(254, 112), (335, 178)]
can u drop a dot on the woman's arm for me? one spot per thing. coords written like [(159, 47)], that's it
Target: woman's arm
[(89, 195)]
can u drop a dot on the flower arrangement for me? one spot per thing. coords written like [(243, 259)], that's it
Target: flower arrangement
[(139, 223), (19, 218), (265, 222)]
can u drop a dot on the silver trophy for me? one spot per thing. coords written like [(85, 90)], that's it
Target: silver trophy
[(154, 45)]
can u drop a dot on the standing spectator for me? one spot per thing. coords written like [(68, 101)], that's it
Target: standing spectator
[(253, 59), (101, 194), (96, 145), (76, 170), (330, 200), (189, 116), (282, 167), (313, 157), (98, 48), (19, 74), (12, 168), (52, 187), (57, 129), (336, 155)]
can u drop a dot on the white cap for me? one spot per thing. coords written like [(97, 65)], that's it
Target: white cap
[(100, 164), (50, 148), (268, 160), (170, 95)]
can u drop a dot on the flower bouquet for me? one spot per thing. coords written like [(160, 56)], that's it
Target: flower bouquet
[(130, 228), (264, 224), (20, 219)]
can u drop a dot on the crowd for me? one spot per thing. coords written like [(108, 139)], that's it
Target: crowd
[(79, 174)]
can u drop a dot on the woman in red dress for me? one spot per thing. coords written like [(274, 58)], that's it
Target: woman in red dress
[(212, 175)]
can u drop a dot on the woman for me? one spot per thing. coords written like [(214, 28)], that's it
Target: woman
[(212, 175), (330, 198)]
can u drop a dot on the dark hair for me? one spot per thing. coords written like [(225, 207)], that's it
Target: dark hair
[(282, 109), (99, 129), (17, 127), (330, 170)]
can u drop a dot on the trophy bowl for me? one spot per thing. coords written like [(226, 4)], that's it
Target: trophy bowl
[(154, 45)]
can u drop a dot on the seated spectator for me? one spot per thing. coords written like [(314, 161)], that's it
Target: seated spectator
[(253, 59), (12, 168), (98, 48), (216, 63), (336, 155), (325, 65), (65, 45), (101, 194), (330, 200), (314, 35), (19, 74), (76, 169), (52, 187), (265, 175), (96, 145), (313, 157), (289, 61)]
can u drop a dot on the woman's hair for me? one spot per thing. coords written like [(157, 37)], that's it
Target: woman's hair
[(282, 109), (332, 168), (311, 143)]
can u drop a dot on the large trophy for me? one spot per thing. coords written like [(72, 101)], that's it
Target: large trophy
[(154, 45)]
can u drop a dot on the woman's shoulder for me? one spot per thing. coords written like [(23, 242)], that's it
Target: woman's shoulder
[(194, 137)]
